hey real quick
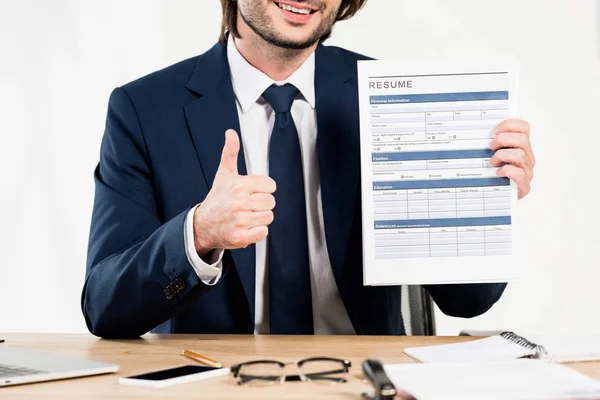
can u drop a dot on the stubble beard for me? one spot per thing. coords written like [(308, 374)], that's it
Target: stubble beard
[(256, 18)]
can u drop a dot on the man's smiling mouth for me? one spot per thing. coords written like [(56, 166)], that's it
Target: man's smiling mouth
[(296, 10)]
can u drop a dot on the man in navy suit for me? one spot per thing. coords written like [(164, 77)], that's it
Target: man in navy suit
[(227, 192)]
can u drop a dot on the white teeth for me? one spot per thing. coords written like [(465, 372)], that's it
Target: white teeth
[(286, 7)]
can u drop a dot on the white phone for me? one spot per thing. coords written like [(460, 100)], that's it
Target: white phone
[(174, 376)]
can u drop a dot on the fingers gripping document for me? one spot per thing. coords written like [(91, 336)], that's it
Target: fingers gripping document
[(434, 209)]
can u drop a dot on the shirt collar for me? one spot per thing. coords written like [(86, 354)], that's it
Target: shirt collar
[(249, 83)]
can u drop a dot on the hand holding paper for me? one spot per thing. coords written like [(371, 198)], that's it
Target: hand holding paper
[(513, 148)]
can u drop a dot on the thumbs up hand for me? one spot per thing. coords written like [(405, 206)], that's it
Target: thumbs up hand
[(238, 209)]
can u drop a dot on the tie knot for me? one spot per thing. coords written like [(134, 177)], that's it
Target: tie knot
[(281, 97)]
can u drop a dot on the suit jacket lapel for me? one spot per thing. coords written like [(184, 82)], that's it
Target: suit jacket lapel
[(338, 144), (208, 117)]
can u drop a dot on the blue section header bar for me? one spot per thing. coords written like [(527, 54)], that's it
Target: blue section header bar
[(438, 97), (433, 155), (441, 183), (442, 223)]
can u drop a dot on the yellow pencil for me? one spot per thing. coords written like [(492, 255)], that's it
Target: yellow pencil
[(202, 359)]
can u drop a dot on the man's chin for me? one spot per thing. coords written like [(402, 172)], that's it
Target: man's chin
[(283, 35)]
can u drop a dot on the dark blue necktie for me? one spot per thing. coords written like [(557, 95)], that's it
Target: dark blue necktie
[(289, 268)]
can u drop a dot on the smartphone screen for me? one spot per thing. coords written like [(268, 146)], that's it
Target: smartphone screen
[(173, 373)]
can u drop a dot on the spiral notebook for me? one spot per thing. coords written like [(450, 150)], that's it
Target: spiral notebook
[(508, 345)]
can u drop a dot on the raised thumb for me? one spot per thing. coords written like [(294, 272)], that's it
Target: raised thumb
[(229, 157)]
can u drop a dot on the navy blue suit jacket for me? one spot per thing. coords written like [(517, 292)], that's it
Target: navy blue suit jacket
[(161, 148)]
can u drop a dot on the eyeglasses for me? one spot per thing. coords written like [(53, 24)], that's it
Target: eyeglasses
[(269, 372)]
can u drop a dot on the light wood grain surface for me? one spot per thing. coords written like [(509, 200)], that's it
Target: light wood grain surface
[(154, 352)]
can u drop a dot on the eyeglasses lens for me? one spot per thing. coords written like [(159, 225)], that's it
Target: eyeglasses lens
[(261, 374), (323, 372)]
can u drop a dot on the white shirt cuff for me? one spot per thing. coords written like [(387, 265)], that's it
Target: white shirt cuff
[(210, 271)]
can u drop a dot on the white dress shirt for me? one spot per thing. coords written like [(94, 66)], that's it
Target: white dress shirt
[(256, 123)]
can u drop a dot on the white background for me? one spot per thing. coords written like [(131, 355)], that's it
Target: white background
[(60, 59)]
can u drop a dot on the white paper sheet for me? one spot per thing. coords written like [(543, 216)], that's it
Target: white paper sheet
[(515, 380), (434, 210)]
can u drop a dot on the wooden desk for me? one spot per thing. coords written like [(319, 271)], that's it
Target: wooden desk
[(162, 351)]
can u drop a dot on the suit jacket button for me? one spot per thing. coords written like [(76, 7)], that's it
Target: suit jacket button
[(168, 291), (179, 285)]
